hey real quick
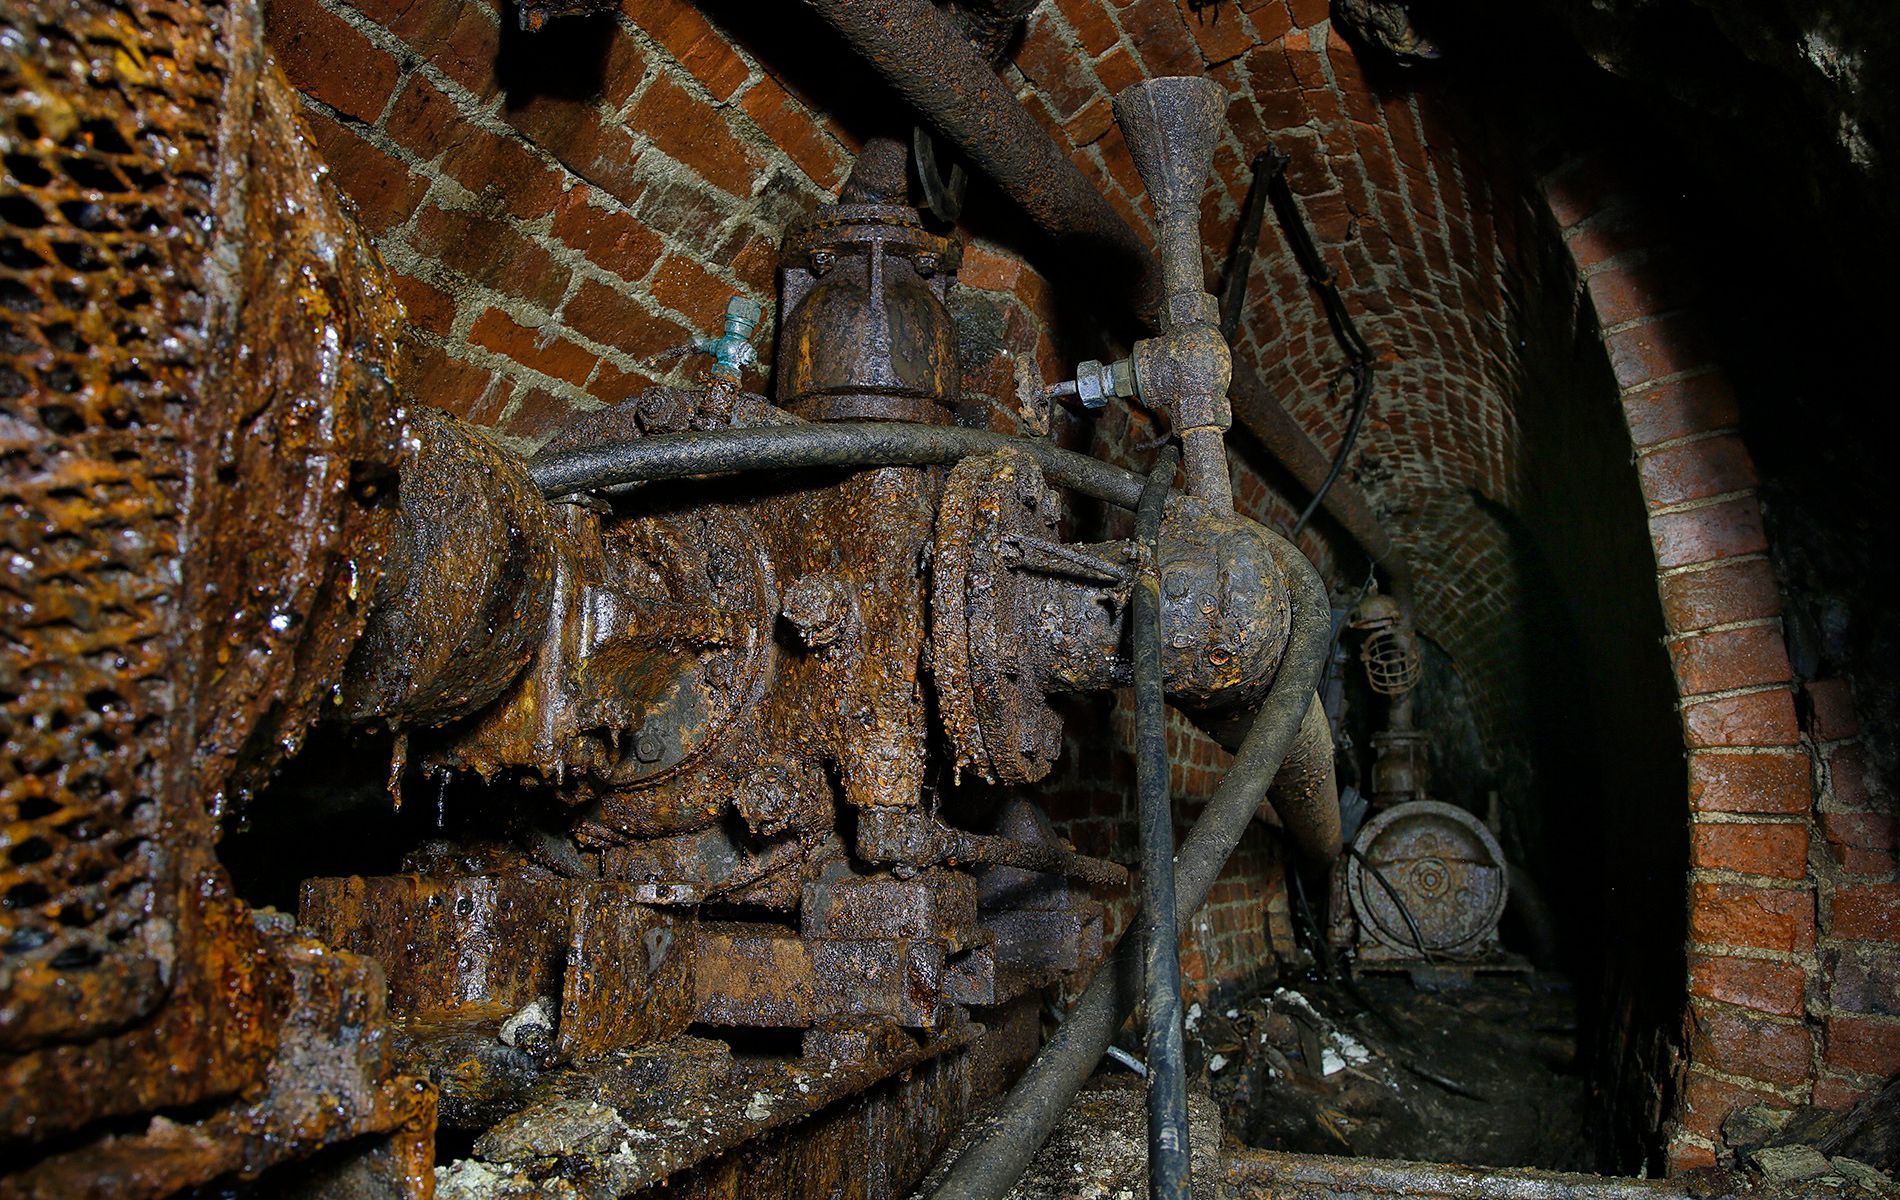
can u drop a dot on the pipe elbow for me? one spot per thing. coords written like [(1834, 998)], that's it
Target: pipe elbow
[(1305, 793)]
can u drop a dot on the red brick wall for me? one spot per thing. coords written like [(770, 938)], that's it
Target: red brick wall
[(1793, 912)]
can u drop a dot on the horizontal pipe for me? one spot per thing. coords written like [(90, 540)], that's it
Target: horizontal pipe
[(831, 444), (1273, 1175), (922, 54)]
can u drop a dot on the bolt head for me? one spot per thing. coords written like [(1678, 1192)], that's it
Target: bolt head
[(647, 746)]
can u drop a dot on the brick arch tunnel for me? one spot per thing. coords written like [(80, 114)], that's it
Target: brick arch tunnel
[(1644, 672)]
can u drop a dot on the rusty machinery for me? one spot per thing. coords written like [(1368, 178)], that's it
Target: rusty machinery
[(1423, 882), (727, 712)]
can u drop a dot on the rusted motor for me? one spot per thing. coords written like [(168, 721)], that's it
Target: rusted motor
[(1446, 868)]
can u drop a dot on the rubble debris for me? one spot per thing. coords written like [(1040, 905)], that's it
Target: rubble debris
[(1383, 1070)]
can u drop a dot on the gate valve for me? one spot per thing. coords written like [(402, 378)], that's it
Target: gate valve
[(732, 351)]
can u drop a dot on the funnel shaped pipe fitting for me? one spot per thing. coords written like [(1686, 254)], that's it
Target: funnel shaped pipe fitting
[(1171, 125)]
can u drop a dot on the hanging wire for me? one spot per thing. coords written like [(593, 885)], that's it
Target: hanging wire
[(1411, 923), (1270, 183)]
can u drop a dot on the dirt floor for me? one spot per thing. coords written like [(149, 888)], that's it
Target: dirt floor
[(1389, 1069), (1483, 1073)]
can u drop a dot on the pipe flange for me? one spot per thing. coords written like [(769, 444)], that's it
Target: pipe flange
[(842, 229), (989, 692)]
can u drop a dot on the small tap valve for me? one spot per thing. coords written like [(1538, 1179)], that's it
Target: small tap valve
[(1170, 126), (732, 351)]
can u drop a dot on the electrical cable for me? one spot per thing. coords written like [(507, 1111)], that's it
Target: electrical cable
[(1320, 276), (1168, 1154), (1362, 400), (1411, 923)]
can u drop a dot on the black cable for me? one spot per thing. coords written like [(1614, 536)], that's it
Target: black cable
[(831, 444), (1362, 397), (1358, 356), (1418, 939), (1165, 1039), (1233, 280)]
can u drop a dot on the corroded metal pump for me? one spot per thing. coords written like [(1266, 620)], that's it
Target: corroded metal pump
[(726, 733)]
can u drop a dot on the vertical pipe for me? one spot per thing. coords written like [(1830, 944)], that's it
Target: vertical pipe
[(1168, 1155), (1207, 473), (996, 1157)]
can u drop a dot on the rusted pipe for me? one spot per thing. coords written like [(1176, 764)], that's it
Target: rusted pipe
[(1304, 798), (991, 24), (1170, 126), (992, 1163), (922, 54), (1305, 794), (1163, 1036), (1271, 1175), (834, 444), (886, 443)]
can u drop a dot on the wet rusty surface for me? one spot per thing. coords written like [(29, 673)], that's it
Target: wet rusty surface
[(647, 709), (196, 436), (1447, 870), (635, 1118), (767, 976), (866, 335), (329, 1080), (1042, 926), (471, 576), (95, 485), (1020, 616), (703, 713), (481, 948)]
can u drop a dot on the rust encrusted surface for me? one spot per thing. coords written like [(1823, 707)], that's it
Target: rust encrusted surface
[(636, 1118), (195, 428)]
